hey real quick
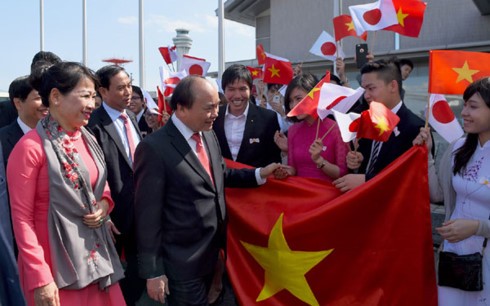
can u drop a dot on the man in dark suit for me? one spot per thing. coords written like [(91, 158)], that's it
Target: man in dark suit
[(10, 292), (118, 140), (7, 113), (30, 110), (139, 108), (245, 132), (382, 83), (180, 206)]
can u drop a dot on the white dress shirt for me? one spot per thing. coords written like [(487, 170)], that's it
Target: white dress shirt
[(234, 129), (115, 116)]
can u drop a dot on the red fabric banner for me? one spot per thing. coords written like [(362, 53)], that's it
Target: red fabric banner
[(299, 241)]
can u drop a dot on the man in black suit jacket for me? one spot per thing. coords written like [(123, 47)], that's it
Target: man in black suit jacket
[(109, 129), (382, 83), (180, 207), (30, 109), (7, 113), (139, 108), (245, 132)]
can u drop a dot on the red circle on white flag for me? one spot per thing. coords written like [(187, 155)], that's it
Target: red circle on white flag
[(442, 112), (373, 16), (196, 69), (328, 48)]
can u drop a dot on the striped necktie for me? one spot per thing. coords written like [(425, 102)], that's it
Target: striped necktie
[(374, 157)]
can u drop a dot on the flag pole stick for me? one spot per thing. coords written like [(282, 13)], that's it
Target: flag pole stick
[(329, 130), (317, 128), (427, 112), (373, 43)]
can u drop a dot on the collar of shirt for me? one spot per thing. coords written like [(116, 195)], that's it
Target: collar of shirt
[(183, 129), (397, 107), (113, 113), (24, 127), (140, 114), (245, 113)]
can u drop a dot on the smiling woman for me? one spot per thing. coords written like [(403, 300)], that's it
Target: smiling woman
[(60, 198)]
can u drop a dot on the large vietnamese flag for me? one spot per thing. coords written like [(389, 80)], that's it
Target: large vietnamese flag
[(450, 71), (301, 242), (410, 15)]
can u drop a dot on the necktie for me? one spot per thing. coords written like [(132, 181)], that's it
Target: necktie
[(374, 156), (129, 135), (201, 153)]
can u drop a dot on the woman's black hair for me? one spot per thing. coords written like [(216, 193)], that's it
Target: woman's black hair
[(463, 154)]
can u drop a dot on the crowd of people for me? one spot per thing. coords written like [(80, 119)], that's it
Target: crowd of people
[(105, 204)]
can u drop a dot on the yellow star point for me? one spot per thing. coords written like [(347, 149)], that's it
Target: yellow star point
[(350, 26), (311, 94), (465, 73), (285, 268), (381, 125), (401, 17), (274, 71)]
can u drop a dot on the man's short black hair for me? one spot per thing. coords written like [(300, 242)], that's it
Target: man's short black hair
[(236, 72)]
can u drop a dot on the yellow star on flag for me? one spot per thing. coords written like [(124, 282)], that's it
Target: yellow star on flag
[(311, 94), (465, 73), (350, 26), (401, 17), (381, 125), (274, 71), (284, 268), (255, 72)]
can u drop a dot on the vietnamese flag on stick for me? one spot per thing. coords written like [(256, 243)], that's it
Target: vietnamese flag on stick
[(450, 72), (277, 70), (300, 241), (442, 119), (255, 72), (344, 26), (261, 55), (309, 104), (410, 15), (376, 123)]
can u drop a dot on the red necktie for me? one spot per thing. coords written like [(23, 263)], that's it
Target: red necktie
[(129, 135), (201, 154)]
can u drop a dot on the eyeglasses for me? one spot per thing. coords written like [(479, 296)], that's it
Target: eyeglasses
[(134, 98)]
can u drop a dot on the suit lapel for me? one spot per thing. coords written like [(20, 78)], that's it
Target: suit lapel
[(220, 132), (182, 146), (111, 130)]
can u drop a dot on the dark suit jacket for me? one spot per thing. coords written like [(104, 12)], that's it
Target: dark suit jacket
[(179, 212), (261, 125), (8, 113), (408, 127), (119, 167), (9, 136), (143, 126)]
